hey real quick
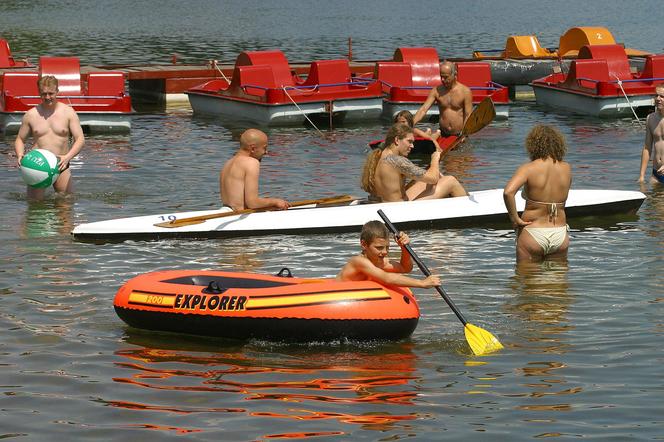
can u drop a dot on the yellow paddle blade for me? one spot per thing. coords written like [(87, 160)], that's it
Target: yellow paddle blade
[(480, 340)]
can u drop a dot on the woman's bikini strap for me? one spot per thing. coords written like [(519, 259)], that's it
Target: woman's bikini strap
[(553, 207)]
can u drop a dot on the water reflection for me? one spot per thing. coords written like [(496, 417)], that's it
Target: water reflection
[(653, 209), (48, 217), (542, 301), (319, 382)]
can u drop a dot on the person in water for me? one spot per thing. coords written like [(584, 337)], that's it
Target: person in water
[(454, 100), (654, 144), (51, 124), (386, 170), (541, 230), (373, 263), (405, 117)]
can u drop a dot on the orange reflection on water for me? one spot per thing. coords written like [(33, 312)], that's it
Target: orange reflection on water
[(164, 428), (303, 435), (361, 386), (375, 398), (551, 407), (233, 360), (179, 409), (310, 377), (364, 419)]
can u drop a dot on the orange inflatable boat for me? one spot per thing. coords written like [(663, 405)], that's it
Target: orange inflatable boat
[(253, 306)]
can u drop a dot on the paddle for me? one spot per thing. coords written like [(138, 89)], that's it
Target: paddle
[(480, 340), (202, 218), (478, 119)]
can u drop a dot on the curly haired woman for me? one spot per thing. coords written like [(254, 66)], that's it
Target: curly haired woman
[(541, 230)]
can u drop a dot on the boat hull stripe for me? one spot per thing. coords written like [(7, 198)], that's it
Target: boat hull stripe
[(313, 299)]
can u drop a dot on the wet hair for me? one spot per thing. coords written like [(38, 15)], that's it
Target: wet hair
[(407, 115), (546, 142), (46, 81), (373, 230), (397, 131)]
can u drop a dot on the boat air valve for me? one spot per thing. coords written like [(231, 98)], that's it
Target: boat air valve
[(213, 288), (285, 273)]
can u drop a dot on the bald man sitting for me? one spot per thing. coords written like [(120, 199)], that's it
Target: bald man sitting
[(238, 180)]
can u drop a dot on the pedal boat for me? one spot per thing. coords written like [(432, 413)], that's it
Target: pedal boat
[(98, 98), (601, 83), (409, 77), (264, 90)]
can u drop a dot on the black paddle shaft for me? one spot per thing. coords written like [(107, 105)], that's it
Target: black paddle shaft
[(423, 267)]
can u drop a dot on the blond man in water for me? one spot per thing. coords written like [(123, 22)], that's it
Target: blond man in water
[(654, 143), (541, 230), (51, 124)]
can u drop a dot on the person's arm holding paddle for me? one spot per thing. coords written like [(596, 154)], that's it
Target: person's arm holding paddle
[(362, 265), (480, 340), (406, 262), (374, 264)]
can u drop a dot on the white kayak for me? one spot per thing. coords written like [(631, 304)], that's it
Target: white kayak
[(479, 209)]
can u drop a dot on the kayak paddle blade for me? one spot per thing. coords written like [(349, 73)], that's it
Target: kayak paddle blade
[(480, 340)]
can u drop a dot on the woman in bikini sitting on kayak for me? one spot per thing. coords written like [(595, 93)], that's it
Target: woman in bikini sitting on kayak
[(541, 230)]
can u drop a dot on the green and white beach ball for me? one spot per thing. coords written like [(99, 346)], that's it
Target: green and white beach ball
[(39, 168)]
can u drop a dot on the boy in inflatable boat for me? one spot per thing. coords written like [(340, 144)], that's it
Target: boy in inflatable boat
[(374, 264)]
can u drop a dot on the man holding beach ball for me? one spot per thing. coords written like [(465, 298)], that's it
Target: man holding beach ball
[(51, 124)]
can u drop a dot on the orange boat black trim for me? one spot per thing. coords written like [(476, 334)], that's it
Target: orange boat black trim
[(244, 305)]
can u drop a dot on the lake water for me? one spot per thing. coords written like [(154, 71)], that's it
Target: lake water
[(582, 357)]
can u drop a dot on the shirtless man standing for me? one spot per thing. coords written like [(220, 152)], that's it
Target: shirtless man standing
[(654, 144), (455, 102), (238, 180), (386, 170), (51, 124)]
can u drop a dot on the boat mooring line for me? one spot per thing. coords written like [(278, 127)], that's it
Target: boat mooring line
[(628, 102), (301, 111), (214, 62)]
